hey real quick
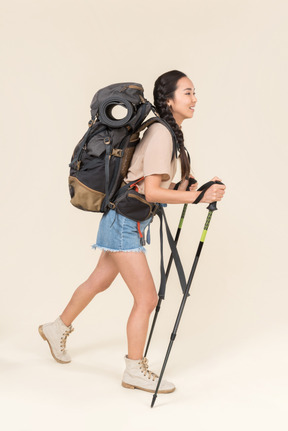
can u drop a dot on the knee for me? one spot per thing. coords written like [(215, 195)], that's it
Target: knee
[(149, 304), (154, 302)]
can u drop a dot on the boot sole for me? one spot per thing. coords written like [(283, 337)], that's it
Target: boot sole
[(127, 386), (40, 330)]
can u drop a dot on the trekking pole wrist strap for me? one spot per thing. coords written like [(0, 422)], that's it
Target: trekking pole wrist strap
[(190, 182), (203, 190)]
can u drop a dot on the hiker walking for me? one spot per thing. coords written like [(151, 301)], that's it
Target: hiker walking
[(118, 236)]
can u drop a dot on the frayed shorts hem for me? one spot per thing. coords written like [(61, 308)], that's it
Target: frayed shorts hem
[(137, 250)]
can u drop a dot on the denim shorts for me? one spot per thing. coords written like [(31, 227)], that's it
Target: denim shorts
[(118, 233)]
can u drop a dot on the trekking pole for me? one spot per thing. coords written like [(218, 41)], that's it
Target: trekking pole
[(212, 207), (166, 276), (191, 181)]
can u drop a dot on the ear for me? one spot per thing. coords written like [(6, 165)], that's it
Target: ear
[(169, 103)]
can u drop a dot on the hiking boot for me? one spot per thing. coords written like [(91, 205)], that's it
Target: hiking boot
[(56, 333), (138, 376)]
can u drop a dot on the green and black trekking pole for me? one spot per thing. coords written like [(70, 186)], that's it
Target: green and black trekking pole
[(191, 181), (212, 207)]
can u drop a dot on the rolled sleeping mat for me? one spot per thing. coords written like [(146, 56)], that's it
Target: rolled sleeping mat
[(105, 112)]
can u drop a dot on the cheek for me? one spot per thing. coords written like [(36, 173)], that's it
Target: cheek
[(179, 105)]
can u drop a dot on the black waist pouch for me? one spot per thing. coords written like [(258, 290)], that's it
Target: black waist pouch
[(133, 205)]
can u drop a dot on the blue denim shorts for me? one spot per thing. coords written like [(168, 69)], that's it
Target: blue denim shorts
[(119, 233)]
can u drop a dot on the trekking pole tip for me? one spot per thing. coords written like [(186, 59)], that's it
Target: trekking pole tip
[(153, 400)]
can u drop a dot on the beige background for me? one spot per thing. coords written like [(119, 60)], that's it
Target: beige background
[(229, 361)]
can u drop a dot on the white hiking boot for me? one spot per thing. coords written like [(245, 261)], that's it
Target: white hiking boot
[(56, 333), (138, 376)]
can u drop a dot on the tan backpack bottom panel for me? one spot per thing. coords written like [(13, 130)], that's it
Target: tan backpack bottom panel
[(83, 197)]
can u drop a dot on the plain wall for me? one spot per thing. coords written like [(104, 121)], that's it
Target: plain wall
[(55, 56)]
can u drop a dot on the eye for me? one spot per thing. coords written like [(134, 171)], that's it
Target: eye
[(187, 94)]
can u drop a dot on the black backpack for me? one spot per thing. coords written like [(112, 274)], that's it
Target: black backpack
[(101, 159)]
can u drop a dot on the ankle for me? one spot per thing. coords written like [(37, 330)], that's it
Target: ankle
[(66, 322), (134, 357)]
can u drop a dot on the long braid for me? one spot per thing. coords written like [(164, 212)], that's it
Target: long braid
[(164, 89)]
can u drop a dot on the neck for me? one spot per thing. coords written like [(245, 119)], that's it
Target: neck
[(179, 121)]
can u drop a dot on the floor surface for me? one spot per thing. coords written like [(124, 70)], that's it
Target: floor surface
[(243, 387)]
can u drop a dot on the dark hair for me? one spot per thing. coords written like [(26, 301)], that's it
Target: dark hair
[(164, 89)]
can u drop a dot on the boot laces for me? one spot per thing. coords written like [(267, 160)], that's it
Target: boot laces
[(144, 369), (64, 338)]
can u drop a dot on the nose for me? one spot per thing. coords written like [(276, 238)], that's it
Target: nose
[(194, 98)]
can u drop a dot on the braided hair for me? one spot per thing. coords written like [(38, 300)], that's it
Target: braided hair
[(164, 89)]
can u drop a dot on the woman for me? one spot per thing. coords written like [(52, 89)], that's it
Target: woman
[(118, 237)]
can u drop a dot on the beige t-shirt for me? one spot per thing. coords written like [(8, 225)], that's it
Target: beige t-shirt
[(153, 156)]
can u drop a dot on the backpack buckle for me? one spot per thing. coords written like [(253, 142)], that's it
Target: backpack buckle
[(117, 152)]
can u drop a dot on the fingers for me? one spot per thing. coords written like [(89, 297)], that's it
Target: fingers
[(193, 187), (214, 194), (183, 186), (216, 179), (217, 192)]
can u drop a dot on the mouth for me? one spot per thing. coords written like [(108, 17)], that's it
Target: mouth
[(192, 108)]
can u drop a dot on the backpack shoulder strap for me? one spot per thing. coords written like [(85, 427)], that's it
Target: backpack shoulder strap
[(157, 119)]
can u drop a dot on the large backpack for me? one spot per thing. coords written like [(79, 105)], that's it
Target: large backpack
[(101, 159)]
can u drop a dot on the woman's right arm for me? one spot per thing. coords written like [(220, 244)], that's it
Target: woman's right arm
[(155, 193)]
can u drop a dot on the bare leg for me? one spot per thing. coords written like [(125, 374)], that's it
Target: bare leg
[(135, 271), (100, 279)]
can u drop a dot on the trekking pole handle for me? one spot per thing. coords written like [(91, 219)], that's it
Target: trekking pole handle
[(213, 205), (190, 182)]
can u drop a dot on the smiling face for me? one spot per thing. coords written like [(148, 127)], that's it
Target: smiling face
[(183, 103)]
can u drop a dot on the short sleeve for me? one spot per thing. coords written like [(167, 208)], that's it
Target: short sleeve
[(158, 151)]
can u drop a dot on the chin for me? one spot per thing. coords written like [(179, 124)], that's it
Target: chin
[(190, 114)]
